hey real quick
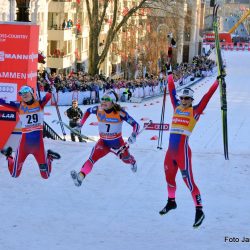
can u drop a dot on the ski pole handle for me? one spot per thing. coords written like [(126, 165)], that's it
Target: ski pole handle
[(144, 128)]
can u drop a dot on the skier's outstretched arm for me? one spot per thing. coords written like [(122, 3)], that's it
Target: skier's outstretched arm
[(45, 99), (171, 88), (89, 111), (10, 104), (205, 99)]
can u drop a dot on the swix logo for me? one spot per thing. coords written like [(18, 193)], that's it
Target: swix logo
[(7, 116), (181, 121), (4, 56)]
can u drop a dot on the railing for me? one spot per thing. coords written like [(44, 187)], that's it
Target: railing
[(50, 133)]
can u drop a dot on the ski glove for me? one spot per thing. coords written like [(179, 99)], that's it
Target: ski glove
[(169, 69), (132, 138)]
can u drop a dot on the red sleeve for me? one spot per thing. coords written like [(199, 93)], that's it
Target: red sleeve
[(45, 100), (205, 99), (172, 91), (85, 117), (92, 110)]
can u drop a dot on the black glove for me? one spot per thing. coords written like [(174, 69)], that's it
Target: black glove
[(49, 89), (222, 77), (169, 69)]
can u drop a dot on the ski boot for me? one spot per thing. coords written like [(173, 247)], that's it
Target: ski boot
[(77, 177), (134, 167), (7, 152), (199, 217), (170, 205), (53, 155)]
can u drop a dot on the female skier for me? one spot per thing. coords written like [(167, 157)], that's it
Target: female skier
[(110, 117), (30, 112), (178, 155)]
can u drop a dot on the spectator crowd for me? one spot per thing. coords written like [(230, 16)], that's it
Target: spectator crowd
[(201, 66)]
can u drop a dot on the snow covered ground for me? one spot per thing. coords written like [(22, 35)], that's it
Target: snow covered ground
[(116, 209)]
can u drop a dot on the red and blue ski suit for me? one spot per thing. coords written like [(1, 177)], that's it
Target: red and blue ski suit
[(31, 141), (179, 153), (110, 131)]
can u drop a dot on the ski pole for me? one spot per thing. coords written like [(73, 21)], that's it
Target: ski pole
[(162, 119), (57, 108)]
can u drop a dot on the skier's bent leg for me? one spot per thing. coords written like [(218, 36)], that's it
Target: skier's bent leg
[(87, 167), (15, 165), (127, 158), (98, 151), (170, 169), (44, 171)]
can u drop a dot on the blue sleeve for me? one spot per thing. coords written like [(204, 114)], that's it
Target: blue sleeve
[(92, 110), (10, 104), (130, 120)]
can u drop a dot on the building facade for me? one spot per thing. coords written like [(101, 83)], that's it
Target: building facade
[(64, 34)]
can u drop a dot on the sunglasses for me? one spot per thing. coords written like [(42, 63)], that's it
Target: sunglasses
[(185, 98), (24, 91), (106, 99)]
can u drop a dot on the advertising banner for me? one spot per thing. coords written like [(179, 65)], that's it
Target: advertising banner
[(18, 67), (157, 126)]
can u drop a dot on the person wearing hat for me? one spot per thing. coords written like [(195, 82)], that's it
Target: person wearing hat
[(110, 116), (178, 155), (30, 111), (74, 114)]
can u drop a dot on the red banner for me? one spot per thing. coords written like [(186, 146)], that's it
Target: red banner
[(18, 55), (18, 67), (157, 126)]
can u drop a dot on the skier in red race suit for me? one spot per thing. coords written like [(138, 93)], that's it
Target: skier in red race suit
[(30, 112), (110, 117), (178, 155)]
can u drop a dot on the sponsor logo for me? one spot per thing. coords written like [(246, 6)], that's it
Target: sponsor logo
[(1, 56), (7, 116), (7, 89), (13, 36), (112, 120), (18, 75), (179, 112), (27, 110), (4, 56), (181, 121), (102, 117), (156, 126)]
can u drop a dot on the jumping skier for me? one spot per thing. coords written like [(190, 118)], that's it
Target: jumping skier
[(30, 112), (110, 117), (178, 155)]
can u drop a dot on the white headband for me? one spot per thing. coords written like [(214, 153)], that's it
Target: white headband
[(111, 95)]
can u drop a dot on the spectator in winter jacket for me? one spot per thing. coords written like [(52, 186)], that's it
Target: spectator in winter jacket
[(74, 114)]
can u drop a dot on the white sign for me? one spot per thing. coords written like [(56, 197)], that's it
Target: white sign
[(8, 91)]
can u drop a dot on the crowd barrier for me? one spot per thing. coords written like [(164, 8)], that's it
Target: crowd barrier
[(240, 46), (138, 94)]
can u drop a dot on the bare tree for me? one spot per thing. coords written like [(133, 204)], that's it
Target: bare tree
[(97, 14)]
